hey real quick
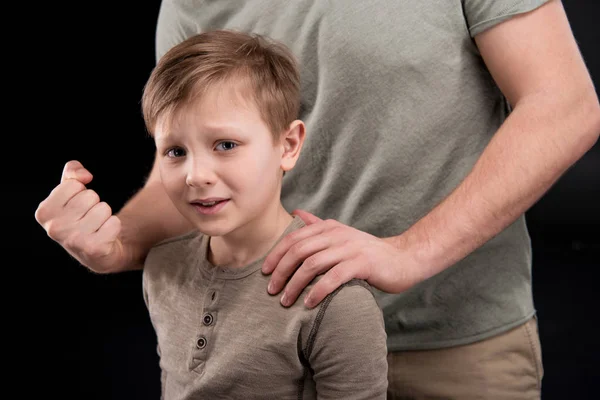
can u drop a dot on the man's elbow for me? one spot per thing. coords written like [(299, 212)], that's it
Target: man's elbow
[(594, 121), (585, 114)]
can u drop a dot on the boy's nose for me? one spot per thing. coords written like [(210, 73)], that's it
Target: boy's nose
[(200, 175)]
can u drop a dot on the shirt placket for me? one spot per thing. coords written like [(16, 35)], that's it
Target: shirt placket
[(204, 340)]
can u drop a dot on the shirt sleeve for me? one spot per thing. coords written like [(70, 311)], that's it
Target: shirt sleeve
[(347, 348), (484, 14)]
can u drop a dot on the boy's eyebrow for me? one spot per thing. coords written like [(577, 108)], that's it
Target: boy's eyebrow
[(222, 129), (163, 136), (166, 135)]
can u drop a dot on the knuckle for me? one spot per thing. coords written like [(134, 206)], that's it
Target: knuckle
[(297, 249), (116, 224), (104, 208), (311, 264), (91, 248), (335, 275), (337, 230), (73, 242), (331, 223), (290, 239), (41, 213), (92, 197), (53, 231), (74, 185), (302, 246)]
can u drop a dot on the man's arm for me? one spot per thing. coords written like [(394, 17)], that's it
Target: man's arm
[(555, 119), (73, 216), (147, 218)]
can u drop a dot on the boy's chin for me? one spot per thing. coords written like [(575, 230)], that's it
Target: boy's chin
[(214, 232)]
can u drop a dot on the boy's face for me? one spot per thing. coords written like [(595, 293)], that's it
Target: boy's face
[(219, 163)]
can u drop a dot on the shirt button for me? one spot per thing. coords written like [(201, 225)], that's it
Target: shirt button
[(208, 319), (201, 342)]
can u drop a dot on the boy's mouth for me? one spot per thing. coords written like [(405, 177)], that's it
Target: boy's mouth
[(209, 206)]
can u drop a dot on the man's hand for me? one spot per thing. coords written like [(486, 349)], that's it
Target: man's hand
[(340, 253), (74, 216)]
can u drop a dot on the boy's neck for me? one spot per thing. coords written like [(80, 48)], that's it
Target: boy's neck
[(251, 242)]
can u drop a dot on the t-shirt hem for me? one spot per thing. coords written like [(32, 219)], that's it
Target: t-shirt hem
[(399, 343)]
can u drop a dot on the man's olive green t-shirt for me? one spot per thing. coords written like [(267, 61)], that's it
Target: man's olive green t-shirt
[(222, 336), (398, 107)]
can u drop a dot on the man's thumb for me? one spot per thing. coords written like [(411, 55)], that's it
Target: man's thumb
[(75, 170)]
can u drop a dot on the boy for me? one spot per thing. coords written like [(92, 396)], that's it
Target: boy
[(222, 108)]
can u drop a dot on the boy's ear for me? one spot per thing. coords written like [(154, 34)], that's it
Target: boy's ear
[(291, 141)]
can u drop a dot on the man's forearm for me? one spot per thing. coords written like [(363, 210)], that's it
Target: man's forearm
[(538, 142), (147, 218)]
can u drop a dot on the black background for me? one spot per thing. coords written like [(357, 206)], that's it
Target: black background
[(75, 73)]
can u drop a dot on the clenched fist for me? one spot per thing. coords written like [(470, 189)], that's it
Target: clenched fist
[(74, 216)]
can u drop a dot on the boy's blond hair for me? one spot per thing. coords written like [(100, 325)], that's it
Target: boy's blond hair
[(266, 70)]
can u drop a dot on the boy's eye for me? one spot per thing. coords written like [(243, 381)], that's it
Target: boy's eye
[(175, 152), (225, 145)]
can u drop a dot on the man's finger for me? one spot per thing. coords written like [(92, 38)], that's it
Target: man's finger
[(52, 206), (95, 218), (288, 241), (333, 279), (65, 191), (313, 266), (109, 231), (75, 170), (81, 203), (307, 217), (296, 255)]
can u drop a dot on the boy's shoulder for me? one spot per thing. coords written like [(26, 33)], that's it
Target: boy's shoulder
[(349, 311), (348, 294), (174, 248), (351, 300)]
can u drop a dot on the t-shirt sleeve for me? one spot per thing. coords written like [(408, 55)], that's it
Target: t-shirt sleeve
[(484, 14), (347, 348)]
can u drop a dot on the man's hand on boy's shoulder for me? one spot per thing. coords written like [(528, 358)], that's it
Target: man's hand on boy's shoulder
[(74, 217), (341, 253)]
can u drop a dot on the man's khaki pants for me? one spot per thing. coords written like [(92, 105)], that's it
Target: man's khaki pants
[(507, 366)]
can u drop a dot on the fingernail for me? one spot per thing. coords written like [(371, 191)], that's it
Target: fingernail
[(308, 301), (284, 299), (270, 288)]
